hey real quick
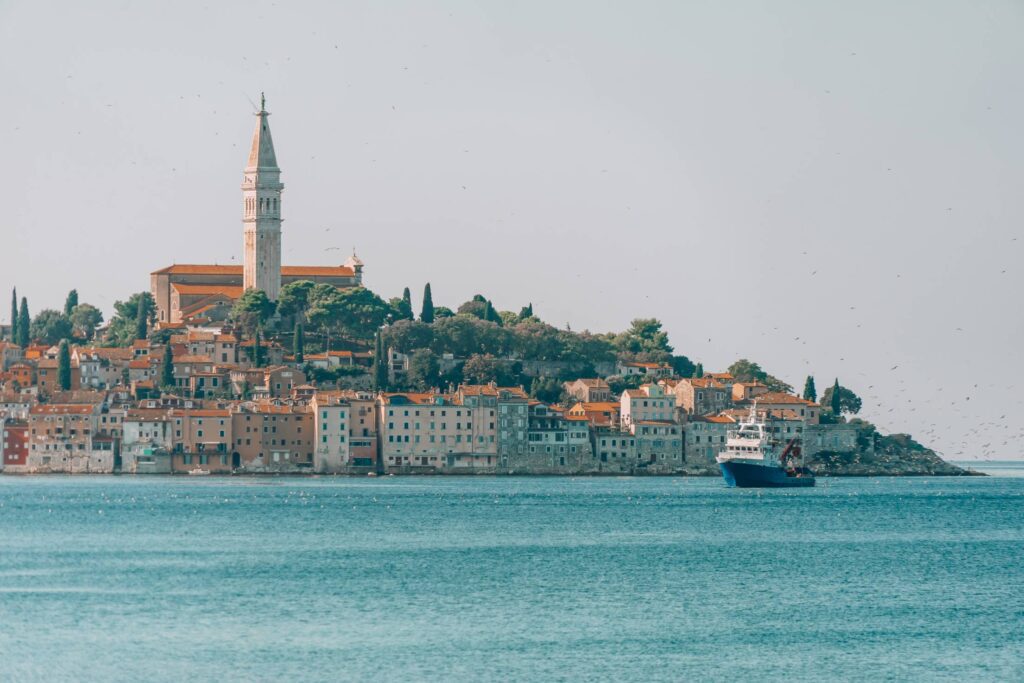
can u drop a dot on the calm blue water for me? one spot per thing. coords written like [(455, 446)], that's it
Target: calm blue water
[(443, 578)]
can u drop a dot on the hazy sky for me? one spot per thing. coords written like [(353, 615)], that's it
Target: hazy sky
[(824, 187)]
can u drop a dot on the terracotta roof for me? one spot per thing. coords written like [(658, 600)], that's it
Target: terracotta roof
[(62, 409), (147, 415), (199, 412), (287, 271), (779, 397)]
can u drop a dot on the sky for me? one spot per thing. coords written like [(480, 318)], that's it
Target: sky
[(827, 188)]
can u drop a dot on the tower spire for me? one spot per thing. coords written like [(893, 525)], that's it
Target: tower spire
[(261, 213)]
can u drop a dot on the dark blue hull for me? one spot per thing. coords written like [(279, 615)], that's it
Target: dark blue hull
[(747, 475)]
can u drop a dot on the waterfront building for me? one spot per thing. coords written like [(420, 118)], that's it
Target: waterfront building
[(648, 403), (270, 436), (701, 395)]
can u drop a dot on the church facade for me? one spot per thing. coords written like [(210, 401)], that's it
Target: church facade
[(197, 294)]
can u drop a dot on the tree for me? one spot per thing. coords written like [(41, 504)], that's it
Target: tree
[(424, 369), (745, 370), (252, 309), (646, 337), (547, 389), (123, 327), (70, 302), (85, 318), (492, 315), (141, 317), (407, 303), (427, 311), (24, 333), (14, 315), (810, 393), (682, 366), (476, 307), (526, 311), (841, 400), (294, 298), (64, 366), (257, 349), (480, 369), (50, 326), (356, 313), (401, 307), (167, 369), (380, 368), (698, 371), (408, 335), (298, 344)]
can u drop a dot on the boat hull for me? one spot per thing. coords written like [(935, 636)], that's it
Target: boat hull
[(748, 475)]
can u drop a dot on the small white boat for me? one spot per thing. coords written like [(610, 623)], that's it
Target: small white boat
[(198, 472)]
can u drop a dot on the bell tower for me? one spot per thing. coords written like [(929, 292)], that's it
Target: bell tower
[(261, 212)]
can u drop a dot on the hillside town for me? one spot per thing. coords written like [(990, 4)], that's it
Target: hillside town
[(271, 368)]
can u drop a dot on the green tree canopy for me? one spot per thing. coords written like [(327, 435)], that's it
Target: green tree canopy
[(85, 318), (24, 324), (252, 310), (480, 369), (745, 370), (682, 366), (401, 308), (298, 344), (644, 337), (50, 326), (167, 368), (443, 312), (123, 326), (547, 389), (406, 336), (70, 303), (841, 400), (810, 392), (427, 311), (294, 298), (14, 315), (424, 370), (64, 366), (476, 307)]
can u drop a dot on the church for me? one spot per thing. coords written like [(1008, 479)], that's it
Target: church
[(200, 294)]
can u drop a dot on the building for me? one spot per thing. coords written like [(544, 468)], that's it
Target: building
[(14, 452), (648, 403), (589, 390), (653, 370), (332, 414), (781, 405), (705, 437), (147, 443), (701, 395), (64, 437), (270, 436), (559, 443), (203, 293), (603, 414), (202, 439)]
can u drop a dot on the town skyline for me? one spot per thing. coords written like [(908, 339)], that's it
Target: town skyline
[(357, 166)]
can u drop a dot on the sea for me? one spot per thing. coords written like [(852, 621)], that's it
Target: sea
[(509, 579)]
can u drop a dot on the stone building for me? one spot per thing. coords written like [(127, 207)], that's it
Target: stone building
[(589, 390), (190, 292)]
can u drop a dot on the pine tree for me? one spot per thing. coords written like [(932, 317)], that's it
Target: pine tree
[(23, 323), (298, 344), (141, 317), (167, 370), (698, 372), (70, 302), (836, 406), (810, 393), (64, 366), (427, 312), (14, 315)]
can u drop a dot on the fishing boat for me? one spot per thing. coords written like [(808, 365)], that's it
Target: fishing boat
[(198, 472), (754, 459)]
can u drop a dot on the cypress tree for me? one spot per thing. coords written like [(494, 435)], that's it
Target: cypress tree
[(836, 407), (257, 349), (698, 371), (167, 370), (380, 370), (298, 344), (407, 299), (141, 316), (14, 315), (427, 312), (70, 302), (64, 366), (810, 393), (23, 322)]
